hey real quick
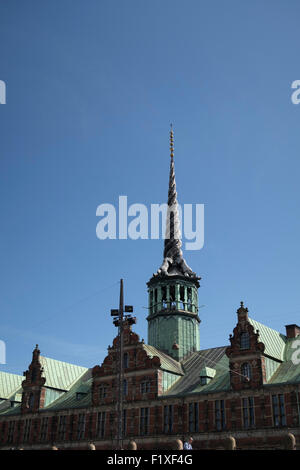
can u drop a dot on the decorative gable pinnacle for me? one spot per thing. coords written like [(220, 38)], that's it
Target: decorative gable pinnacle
[(242, 312)]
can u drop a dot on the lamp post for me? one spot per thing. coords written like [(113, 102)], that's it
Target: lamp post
[(119, 321)]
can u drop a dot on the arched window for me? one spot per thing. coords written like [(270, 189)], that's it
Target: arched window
[(245, 340), (189, 299), (246, 372), (125, 360), (151, 299), (172, 297)]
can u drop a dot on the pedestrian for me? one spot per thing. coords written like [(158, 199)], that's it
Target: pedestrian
[(188, 444)]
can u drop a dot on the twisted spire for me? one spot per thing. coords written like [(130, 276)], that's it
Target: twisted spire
[(173, 236), (171, 142), (174, 263)]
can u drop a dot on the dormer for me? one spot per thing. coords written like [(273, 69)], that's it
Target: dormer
[(206, 375)]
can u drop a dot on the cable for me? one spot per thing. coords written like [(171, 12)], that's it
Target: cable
[(83, 299), (225, 368)]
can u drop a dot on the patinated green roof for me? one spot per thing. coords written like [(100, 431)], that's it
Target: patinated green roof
[(192, 366), (79, 395), (167, 363), (7, 410), (288, 371), (273, 340), (9, 383), (60, 375)]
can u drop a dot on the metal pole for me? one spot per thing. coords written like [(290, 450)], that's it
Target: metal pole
[(120, 321), (120, 371)]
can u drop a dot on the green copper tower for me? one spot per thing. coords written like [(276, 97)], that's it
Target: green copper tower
[(173, 291)]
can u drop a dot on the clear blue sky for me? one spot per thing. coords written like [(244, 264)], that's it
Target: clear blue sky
[(92, 87)]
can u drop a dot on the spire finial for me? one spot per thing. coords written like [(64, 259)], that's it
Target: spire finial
[(171, 141)]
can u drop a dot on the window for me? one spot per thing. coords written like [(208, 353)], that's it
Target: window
[(111, 423), (168, 418), (172, 297), (248, 412), (62, 428), (193, 417), (245, 340), (278, 410), (182, 304), (71, 427), (101, 424), (151, 300), (81, 426), (125, 387), (102, 392), (189, 299), (246, 372), (44, 429), (80, 395), (125, 360), (90, 426), (53, 431), (11, 430), (296, 401), (145, 386), (27, 427), (219, 415), (3, 431), (203, 380), (144, 421), (124, 425), (35, 429)]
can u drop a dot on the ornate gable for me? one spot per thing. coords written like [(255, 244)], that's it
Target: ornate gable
[(135, 360), (33, 395), (245, 353)]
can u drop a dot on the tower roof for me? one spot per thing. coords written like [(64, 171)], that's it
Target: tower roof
[(174, 263)]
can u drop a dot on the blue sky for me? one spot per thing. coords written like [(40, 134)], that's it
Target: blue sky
[(92, 87)]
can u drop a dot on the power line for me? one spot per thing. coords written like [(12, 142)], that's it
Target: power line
[(82, 300), (225, 368)]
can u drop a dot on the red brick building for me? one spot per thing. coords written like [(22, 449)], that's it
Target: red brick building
[(248, 389)]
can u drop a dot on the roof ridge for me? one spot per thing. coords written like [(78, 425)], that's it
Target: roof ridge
[(63, 362)]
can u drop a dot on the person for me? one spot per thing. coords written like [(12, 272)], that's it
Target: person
[(188, 444), (178, 445)]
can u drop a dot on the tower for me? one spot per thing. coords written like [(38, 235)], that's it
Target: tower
[(173, 321)]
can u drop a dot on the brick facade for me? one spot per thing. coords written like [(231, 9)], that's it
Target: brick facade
[(155, 421)]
